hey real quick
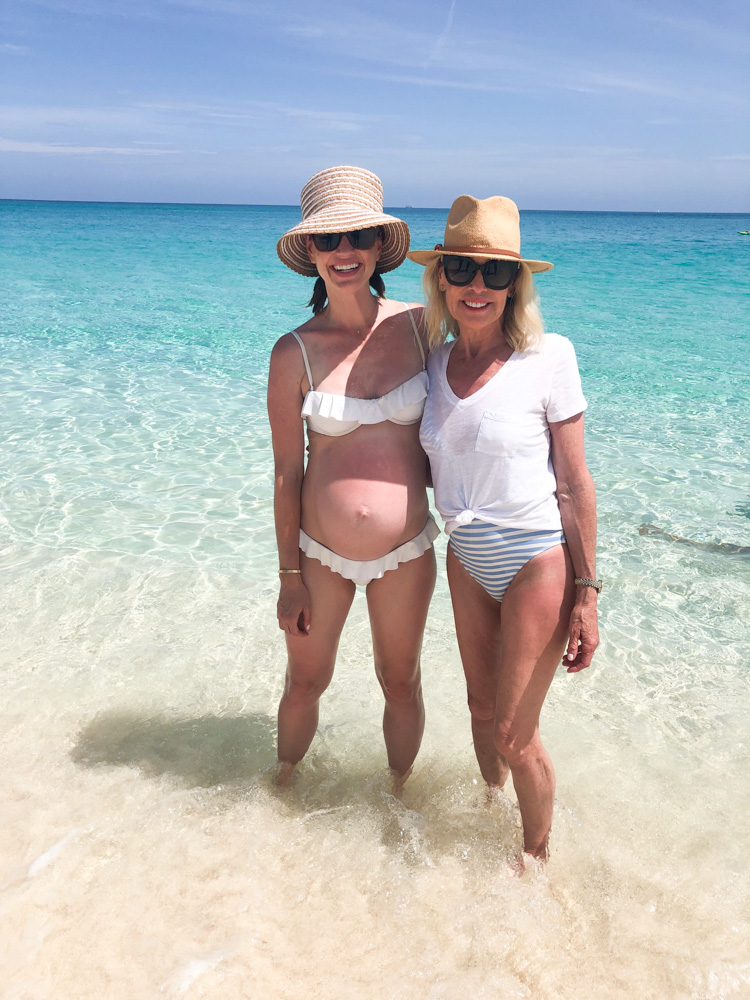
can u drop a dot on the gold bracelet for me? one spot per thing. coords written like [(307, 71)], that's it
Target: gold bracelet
[(290, 571)]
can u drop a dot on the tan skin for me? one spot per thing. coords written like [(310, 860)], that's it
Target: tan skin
[(511, 649), (361, 494)]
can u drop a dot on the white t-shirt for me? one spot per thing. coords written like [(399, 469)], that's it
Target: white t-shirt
[(490, 453)]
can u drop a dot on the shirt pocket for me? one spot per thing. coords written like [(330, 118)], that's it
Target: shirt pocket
[(503, 434)]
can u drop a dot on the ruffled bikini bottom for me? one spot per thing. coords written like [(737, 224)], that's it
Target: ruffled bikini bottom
[(363, 571)]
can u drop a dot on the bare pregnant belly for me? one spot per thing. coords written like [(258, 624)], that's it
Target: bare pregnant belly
[(364, 497)]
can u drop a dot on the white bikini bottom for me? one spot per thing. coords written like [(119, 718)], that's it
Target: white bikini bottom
[(363, 571)]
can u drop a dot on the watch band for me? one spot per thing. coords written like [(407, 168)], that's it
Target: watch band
[(582, 581)]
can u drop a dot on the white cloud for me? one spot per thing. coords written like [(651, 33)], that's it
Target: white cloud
[(253, 110), (437, 50), (13, 146), (707, 32), (34, 117)]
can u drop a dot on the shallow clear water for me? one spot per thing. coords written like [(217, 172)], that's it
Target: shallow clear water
[(143, 851)]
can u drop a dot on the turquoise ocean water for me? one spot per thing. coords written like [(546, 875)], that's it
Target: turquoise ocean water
[(143, 852)]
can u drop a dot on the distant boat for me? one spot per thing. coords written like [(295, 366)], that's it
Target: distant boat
[(743, 232)]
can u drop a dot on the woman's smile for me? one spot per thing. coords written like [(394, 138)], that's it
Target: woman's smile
[(345, 268)]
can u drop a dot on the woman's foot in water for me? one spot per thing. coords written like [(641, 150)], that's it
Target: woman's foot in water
[(283, 774), (399, 780), (524, 864)]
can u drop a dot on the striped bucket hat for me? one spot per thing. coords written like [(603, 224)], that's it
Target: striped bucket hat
[(340, 200)]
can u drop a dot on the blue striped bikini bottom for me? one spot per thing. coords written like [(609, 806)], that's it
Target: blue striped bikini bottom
[(493, 555)]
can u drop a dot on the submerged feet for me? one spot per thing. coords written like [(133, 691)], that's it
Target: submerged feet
[(525, 864), (283, 774), (528, 860), (399, 780)]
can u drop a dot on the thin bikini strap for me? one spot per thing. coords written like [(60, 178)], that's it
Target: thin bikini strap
[(417, 338), (304, 358)]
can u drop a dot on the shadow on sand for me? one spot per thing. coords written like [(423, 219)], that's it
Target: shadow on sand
[(205, 751), (232, 752)]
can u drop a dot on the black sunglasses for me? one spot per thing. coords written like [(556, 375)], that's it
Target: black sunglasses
[(359, 239), (497, 274)]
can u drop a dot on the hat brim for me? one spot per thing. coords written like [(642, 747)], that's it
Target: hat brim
[(292, 247), (424, 257)]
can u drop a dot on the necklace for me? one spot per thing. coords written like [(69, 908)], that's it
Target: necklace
[(360, 331), (368, 328)]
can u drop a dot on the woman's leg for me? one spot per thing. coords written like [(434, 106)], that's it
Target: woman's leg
[(525, 639), (311, 658), (398, 604), (477, 617)]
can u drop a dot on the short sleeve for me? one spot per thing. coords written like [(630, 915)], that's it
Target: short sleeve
[(566, 397)]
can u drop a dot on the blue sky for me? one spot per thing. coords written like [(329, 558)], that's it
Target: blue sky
[(639, 105)]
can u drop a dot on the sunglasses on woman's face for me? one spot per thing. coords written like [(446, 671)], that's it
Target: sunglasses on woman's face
[(359, 239), (497, 274)]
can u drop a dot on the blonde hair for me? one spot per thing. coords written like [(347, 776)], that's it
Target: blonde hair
[(523, 325)]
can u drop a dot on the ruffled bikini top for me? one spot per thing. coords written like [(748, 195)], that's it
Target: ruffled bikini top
[(334, 415)]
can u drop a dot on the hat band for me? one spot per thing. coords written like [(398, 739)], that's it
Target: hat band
[(477, 251)]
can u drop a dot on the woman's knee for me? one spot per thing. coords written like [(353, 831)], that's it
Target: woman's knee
[(402, 687), (482, 708), (515, 740), (306, 689)]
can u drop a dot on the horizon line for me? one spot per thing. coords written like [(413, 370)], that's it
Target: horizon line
[(389, 208)]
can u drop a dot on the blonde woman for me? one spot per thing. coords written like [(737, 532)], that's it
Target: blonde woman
[(503, 430), (356, 512)]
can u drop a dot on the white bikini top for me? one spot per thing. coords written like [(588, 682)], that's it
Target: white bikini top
[(334, 415)]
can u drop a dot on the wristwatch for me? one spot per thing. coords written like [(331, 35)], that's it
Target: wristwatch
[(582, 581)]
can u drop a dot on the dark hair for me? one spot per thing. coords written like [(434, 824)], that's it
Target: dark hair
[(319, 297)]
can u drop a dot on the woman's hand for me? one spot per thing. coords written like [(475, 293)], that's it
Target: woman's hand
[(577, 499), (584, 635), (293, 606)]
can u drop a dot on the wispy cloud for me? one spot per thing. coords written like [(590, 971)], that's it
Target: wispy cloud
[(13, 50), (165, 127), (340, 121), (59, 149), (416, 80), (240, 7), (708, 33), (437, 50), (484, 61), (570, 76), (198, 110), (586, 82), (131, 9), (36, 117)]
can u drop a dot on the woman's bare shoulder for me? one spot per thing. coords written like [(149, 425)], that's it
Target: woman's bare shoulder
[(402, 308), (285, 345), (286, 354), (413, 313)]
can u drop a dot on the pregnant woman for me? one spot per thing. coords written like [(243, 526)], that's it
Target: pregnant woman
[(503, 429), (356, 512)]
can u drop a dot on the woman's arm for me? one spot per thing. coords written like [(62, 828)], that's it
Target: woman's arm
[(417, 311), (288, 438), (577, 498)]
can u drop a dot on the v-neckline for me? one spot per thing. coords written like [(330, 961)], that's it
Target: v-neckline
[(473, 395)]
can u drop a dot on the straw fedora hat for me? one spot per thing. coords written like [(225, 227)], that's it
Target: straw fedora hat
[(481, 227), (340, 200)]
